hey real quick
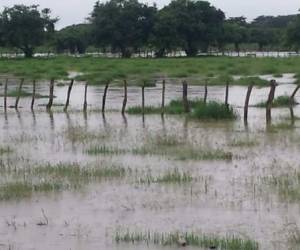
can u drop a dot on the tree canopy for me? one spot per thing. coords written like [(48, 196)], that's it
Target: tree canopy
[(25, 27)]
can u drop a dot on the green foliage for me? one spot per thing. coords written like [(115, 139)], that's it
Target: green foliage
[(192, 239), (74, 39), (25, 27), (123, 25), (293, 33), (213, 110), (280, 101)]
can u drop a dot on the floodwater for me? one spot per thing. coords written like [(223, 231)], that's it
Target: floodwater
[(225, 197)]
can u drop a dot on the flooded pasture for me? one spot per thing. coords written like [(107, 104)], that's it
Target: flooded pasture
[(136, 174)]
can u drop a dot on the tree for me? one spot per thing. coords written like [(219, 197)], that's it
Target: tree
[(25, 27), (74, 38), (124, 25), (196, 24), (293, 34), (236, 32)]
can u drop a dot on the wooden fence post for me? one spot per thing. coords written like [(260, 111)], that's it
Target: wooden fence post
[(33, 93), (247, 102), (5, 94), (19, 93), (104, 96), (51, 96), (68, 96), (85, 98), (143, 98), (163, 97), (227, 94), (205, 93), (292, 101), (125, 98), (270, 100), (185, 97)]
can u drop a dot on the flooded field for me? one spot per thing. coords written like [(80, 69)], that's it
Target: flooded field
[(90, 181)]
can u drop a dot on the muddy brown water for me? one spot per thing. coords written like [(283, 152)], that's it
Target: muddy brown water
[(228, 197)]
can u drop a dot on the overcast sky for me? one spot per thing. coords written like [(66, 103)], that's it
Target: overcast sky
[(75, 11)]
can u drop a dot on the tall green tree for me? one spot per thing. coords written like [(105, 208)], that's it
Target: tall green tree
[(25, 27), (293, 34), (125, 25), (74, 38), (194, 24)]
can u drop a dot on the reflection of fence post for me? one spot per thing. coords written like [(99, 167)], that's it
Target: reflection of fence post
[(51, 96), (5, 94), (185, 97), (19, 93), (227, 94), (85, 98), (68, 96), (125, 97), (205, 93), (163, 97), (270, 100), (143, 98), (292, 101), (33, 93), (247, 102), (104, 96)]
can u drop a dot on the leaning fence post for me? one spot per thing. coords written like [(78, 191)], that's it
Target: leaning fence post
[(104, 96), (270, 100), (185, 97), (49, 105), (143, 98), (227, 94), (33, 94), (5, 94), (85, 97), (292, 101), (19, 93), (205, 93), (125, 97), (247, 102), (163, 97), (68, 96)]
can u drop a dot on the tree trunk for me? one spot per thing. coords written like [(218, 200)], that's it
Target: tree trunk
[(68, 96), (125, 97), (163, 97), (247, 102), (104, 96), (270, 100), (51, 96), (19, 93), (185, 97), (33, 94)]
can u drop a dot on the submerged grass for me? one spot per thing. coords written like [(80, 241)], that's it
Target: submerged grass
[(53, 178), (188, 238), (171, 176), (199, 110), (5, 150), (280, 101), (23, 93), (180, 153)]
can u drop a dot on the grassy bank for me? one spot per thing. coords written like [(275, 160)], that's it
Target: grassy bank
[(213, 70)]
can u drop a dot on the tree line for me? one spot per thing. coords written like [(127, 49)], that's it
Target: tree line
[(128, 26)]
